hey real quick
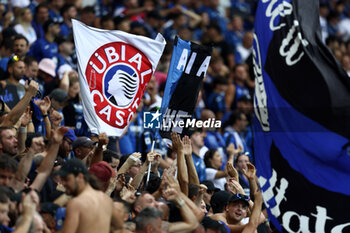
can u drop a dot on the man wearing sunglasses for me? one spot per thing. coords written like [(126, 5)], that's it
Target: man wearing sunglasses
[(237, 208)]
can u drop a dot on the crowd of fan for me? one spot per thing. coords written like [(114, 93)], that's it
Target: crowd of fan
[(51, 165)]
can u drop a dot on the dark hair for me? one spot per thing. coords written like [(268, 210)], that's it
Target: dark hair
[(20, 37), (215, 26), (122, 160), (88, 9), (209, 155), (4, 198), (146, 216), (65, 8), (219, 80), (235, 116), (28, 60), (6, 194), (41, 5), (153, 183), (240, 155), (106, 18), (7, 163), (7, 43), (109, 154), (193, 190)]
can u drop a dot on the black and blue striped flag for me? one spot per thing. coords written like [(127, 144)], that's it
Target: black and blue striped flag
[(302, 125), (188, 66)]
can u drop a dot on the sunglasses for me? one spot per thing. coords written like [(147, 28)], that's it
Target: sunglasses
[(15, 58), (241, 196)]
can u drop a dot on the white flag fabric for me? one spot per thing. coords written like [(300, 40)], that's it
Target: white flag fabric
[(114, 70)]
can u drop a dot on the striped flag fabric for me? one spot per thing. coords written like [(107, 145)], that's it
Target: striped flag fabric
[(302, 123)]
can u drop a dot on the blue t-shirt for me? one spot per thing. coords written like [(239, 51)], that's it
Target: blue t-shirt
[(3, 63), (200, 167), (55, 16), (216, 102), (65, 30), (44, 49)]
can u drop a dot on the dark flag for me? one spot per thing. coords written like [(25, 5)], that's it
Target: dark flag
[(302, 125), (188, 66)]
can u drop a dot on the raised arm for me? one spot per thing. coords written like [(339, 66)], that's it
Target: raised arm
[(189, 219), (29, 207), (250, 173), (23, 169), (98, 155), (44, 106), (22, 130), (21, 106), (182, 174), (254, 219), (171, 182), (47, 164), (192, 173), (139, 176), (133, 160)]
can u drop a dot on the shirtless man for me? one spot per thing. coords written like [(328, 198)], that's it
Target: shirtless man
[(236, 208), (89, 211)]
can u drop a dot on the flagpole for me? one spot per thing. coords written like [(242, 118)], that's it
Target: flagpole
[(149, 165)]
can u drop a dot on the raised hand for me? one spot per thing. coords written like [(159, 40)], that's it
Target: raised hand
[(26, 117), (177, 143), (231, 171), (172, 182), (234, 187), (150, 156), (58, 134), (202, 189), (250, 171), (102, 139), (55, 118), (170, 194), (134, 159), (32, 88), (231, 149), (187, 147), (44, 105), (29, 205), (128, 194), (120, 182)]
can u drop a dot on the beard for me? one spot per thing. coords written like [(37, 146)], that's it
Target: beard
[(74, 190)]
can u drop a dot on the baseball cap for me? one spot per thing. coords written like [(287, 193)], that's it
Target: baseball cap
[(102, 170), (83, 141), (239, 197), (49, 207), (48, 66), (59, 95), (210, 186), (71, 135), (72, 166)]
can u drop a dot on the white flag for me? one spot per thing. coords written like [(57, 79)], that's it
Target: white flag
[(114, 70)]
